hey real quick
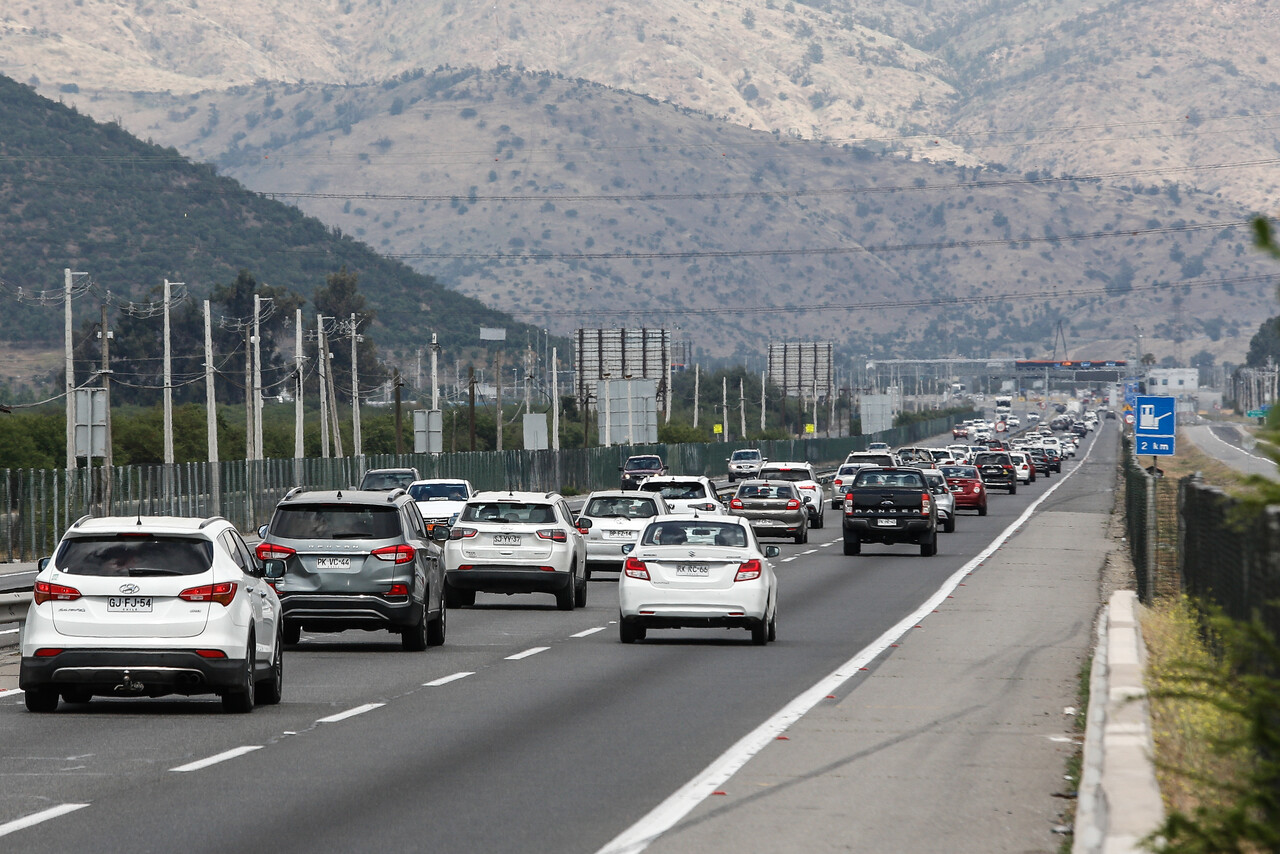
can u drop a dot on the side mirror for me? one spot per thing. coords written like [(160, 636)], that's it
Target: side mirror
[(273, 569), (772, 551), (584, 524), (808, 499), (628, 548), (42, 563), (262, 532), (440, 533), (619, 468)]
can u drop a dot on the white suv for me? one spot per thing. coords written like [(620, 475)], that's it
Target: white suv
[(516, 542), (153, 605), (801, 474)]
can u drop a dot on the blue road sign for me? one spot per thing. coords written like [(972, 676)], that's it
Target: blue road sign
[(1131, 390), (1155, 425)]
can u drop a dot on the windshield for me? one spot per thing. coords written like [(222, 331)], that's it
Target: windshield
[(336, 522), (387, 480), (745, 456), (960, 472), (695, 532), (438, 492), (134, 556), (642, 464), (508, 511), (676, 491), (992, 460), (621, 508)]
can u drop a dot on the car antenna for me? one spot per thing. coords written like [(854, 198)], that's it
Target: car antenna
[(139, 518)]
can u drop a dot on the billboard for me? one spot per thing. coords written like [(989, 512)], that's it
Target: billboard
[(619, 353), (802, 368), (627, 413), (877, 413)]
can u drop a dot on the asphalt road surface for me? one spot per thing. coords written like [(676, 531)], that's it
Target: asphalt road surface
[(530, 730)]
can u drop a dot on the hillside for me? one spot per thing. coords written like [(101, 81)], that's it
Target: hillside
[(568, 203), (91, 197)]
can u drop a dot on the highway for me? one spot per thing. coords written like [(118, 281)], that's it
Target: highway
[(530, 730)]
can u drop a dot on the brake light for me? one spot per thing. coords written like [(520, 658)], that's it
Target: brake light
[(46, 591), (635, 568), (222, 593), (397, 591), (748, 571), (211, 653), (47, 652), (793, 504), (555, 535), (270, 551), (462, 533), (837, 482), (925, 498), (735, 504), (402, 553)]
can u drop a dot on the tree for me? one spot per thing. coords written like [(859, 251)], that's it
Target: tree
[(1264, 344)]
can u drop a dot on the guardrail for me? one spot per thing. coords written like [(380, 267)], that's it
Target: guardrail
[(13, 606)]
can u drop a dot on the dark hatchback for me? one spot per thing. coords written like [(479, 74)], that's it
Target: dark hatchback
[(639, 467), (997, 470)]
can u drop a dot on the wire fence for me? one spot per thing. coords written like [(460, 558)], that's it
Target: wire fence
[(39, 504)]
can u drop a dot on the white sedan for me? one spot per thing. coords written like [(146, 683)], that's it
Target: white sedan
[(616, 519), (704, 571)]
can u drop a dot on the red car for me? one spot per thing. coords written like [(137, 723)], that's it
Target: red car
[(966, 487), (959, 432)]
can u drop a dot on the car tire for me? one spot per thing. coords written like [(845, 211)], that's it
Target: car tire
[(269, 690), (437, 627), (41, 699), (586, 573), (949, 527), (982, 511), (565, 598), (455, 598), (629, 631), (414, 638), (580, 593), (819, 520), (852, 546), (760, 632), (77, 696), (240, 700), (292, 633), (929, 548), (803, 536), (773, 626)]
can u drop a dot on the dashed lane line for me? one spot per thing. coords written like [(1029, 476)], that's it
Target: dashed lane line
[(350, 713), (445, 680), (527, 653), (583, 634), (216, 758), (35, 818)]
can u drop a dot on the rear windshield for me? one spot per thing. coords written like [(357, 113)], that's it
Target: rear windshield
[(960, 472), (695, 532), (786, 474), (992, 460), (387, 480), (871, 459), (438, 492), (508, 511), (621, 508), (765, 490), (642, 464), (676, 491), (890, 478), (336, 522), (134, 556)]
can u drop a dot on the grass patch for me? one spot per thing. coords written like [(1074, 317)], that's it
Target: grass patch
[(1075, 762)]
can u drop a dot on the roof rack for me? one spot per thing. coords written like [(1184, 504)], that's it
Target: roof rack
[(210, 521), (396, 493), (76, 524), (292, 492)]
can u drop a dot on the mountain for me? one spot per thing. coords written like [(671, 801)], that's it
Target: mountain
[(93, 198)]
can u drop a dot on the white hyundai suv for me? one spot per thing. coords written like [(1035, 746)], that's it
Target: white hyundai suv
[(144, 606), (801, 474)]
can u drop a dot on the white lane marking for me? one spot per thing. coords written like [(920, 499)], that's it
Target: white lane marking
[(589, 632), (10, 631), (11, 692), (219, 757), (788, 559), (527, 653), (802, 554), (824, 545), (1209, 430), (445, 680), (350, 713), (37, 817), (666, 814)]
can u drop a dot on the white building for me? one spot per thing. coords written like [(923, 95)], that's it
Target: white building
[(1175, 382)]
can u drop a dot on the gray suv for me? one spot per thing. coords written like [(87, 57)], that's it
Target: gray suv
[(357, 560)]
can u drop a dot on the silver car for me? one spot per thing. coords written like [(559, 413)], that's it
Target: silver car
[(616, 519), (745, 463), (774, 509), (943, 498)]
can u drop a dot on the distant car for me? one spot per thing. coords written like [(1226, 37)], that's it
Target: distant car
[(145, 606), (774, 509), (996, 470), (616, 519), (745, 463), (357, 560), (843, 478), (877, 447), (1013, 421), (440, 500), (1023, 466), (705, 572), (517, 542), (1041, 459), (384, 480), (802, 475), (960, 431), (1033, 417), (943, 498), (967, 489), (639, 467), (684, 494)]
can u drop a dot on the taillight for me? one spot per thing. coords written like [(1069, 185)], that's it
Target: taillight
[(211, 653), (925, 498), (402, 553), (555, 535), (748, 571), (837, 483), (222, 593), (635, 568), (735, 504), (47, 652), (46, 591), (397, 591), (269, 551), (462, 533), (793, 504)]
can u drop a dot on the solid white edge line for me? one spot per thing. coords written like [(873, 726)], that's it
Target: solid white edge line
[(445, 680), (36, 818), (10, 631), (350, 713), (1209, 430), (683, 801), (218, 757), (527, 653), (583, 634), (11, 692)]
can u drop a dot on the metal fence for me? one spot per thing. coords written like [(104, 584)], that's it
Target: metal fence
[(40, 503), (1151, 521)]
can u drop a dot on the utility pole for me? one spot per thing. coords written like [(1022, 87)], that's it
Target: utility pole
[(435, 386), (335, 426), (323, 368), (631, 414), (497, 385), (211, 411), (762, 400), (168, 382), (555, 407), (471, 397), (357, 446), (742, 408), (71, 372), (697, 373), (298, 449), (724, 409), (248, 392), (107, 459), (608, 414), (257, 377), (399, 424)]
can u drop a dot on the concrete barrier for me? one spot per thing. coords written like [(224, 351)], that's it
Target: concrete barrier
[(1119, 799)]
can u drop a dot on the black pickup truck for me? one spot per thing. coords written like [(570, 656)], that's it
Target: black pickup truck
[(890, 505)]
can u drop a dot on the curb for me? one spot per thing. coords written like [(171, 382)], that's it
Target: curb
[(1119, 799)]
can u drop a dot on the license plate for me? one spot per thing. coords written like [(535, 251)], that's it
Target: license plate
[(506, 539), (696, 570), (619, 535), (128, 604), (887, 523), (333, 563)]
